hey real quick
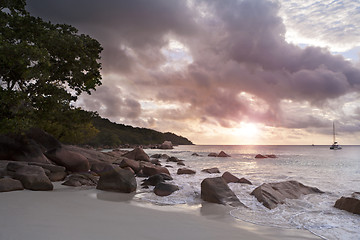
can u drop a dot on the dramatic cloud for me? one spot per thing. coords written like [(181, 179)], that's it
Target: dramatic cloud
[(176, 65)]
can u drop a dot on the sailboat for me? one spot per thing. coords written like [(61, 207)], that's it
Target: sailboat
[(335, 145)]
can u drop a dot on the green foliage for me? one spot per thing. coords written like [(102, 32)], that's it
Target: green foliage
[(43, 68), (113, 134)]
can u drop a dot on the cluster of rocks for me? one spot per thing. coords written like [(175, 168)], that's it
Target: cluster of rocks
[(220, 154), (164, 145), (37, 159)]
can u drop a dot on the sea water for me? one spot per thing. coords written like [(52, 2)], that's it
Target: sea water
[(336, 172)]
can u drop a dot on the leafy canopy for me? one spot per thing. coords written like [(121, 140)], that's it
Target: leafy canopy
[(44, 67)]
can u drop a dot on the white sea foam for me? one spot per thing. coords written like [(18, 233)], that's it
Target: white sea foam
[(335, 172)]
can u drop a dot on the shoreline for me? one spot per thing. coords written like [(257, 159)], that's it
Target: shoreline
[(87, 213)]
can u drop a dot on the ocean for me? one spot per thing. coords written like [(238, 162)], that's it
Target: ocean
[(336, 172)]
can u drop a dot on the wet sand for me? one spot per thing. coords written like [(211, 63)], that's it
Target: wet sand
[(90, 214)]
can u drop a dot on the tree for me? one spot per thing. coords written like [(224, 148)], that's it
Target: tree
[(44, 67)]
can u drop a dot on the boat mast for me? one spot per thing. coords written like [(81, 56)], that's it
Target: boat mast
[(334, 131)]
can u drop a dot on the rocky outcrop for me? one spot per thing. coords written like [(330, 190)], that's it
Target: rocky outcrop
[(137, 154), (72, 161), (44, 139), (181, 171), (230, 178), (116, 179), (133, 164), (33, 178), (29, 147), (165, 189), (80, 179), (272, 194), (166, 145), (99, 167), (55, 173), (350, 204), (212, 154), (19, 148), (211, 170), (8, 184), (150, 170), (94, 156), (216, 190)]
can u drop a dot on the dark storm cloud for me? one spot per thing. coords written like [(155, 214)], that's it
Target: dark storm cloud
[(138, 24), (236, 46)]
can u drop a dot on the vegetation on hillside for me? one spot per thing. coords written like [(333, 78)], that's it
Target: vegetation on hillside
[(113, 134)]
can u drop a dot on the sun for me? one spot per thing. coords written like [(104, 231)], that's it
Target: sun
[(249, 130)]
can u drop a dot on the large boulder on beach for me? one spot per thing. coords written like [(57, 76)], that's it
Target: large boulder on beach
[(165, 189), (133, 164), (9, 184), (72, 161), (150, 170), (137, 154), (181, 171), (166, 145), (350, 204), (99, 167), (20, 148), (80, 179), (33, 178), (116, 179), (55, 173), (43, 138), (216, 190), (272, 194)]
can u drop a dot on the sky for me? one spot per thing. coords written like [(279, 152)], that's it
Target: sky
[(226, 72)]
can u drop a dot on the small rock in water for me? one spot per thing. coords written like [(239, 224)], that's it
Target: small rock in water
[(350, 204), (223, 154), (211, 170), (185, 171), (165, 189), (260, 156), (153, 180)]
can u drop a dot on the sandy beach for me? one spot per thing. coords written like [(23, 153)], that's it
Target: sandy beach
[(89, 214)]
